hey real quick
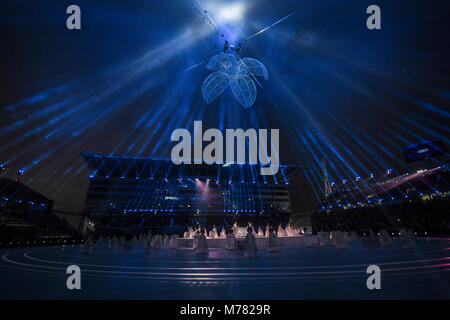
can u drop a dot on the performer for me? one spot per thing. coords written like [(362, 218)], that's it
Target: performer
[(148, 244), (272, 245), (166, 241), (267, 230), (333, 237), (223, 233), (195, 242), (156, 241), (230, 243), (250, 244), (173, 241), (289, 231), (347, 237), (88, 245), (213, 234), (385, 238), (202, 244), (250, 225), (281, 231), (406, 239), (312, 240), (339, 240), (260, 232), (373, 239), (99, 242), (235, 229), (323, 238)]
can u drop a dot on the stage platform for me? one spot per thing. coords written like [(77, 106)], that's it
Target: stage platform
[(290, 273)]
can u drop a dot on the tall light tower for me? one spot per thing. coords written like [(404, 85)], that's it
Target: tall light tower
[(326, 182)]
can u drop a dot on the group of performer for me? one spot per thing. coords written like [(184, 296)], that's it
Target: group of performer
[(289, 231), (339, 239), (147, 241), (200, 243)]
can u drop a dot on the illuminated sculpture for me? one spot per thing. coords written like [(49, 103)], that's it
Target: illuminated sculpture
[(230, 69)]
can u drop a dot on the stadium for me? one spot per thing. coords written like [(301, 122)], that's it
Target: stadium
[(124, 187), (94, 206)]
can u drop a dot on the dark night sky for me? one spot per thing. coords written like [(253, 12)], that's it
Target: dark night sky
[(337, 91)]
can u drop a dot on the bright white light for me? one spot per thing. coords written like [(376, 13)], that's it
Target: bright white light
[(231, 12)]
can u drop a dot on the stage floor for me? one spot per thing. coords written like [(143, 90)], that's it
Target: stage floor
[(290, 273)]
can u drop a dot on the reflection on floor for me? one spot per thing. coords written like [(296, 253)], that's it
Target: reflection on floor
[(289, 273)]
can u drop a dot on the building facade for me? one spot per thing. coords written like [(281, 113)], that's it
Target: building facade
[(133, 186)]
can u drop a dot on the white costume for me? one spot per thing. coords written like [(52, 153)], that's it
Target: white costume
[(260, 232), (166, 241), (156, 241), (235, 229), (324, 238), (173, 241), (214, 232), (289, 231), (281, 231), (189, 233), (333, 237), (339, 240), (267, 230), (223, 234)]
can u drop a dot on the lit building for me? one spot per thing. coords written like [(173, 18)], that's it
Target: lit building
[(135, 186)]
